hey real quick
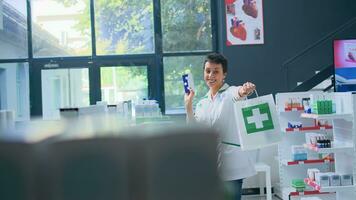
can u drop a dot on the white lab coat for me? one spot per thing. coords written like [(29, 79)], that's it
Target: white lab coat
[(218, 113)]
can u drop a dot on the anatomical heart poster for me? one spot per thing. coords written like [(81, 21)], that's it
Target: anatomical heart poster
[(244, 22)]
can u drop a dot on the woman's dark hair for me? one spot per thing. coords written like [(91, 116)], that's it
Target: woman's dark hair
[(216, 58)]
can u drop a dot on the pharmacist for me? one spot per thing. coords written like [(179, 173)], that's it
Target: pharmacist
[(215, 110)]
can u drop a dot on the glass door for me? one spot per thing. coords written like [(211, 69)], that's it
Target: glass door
[(63, 88)]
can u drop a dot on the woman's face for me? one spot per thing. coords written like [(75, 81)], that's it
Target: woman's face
[(214, 75)]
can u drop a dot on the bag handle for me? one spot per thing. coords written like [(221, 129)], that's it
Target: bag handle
[(254, 91)]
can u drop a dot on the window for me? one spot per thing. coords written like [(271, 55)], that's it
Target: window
[(186, 25), (123, 83), (127, 41), (60, 28), (63, 88), (14, 89), (124, 27), (13, 29), (174, 68), (186, 28)]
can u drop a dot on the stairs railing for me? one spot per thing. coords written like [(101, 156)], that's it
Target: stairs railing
[(316, 79), (294, 74)]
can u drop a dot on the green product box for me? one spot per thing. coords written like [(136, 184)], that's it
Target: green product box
[(298, 184), (323, 107), (319, 107), (329, 106)]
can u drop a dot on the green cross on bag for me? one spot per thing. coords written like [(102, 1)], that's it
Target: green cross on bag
[(257, 118)]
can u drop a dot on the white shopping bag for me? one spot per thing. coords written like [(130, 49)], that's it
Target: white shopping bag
[(257, 122)]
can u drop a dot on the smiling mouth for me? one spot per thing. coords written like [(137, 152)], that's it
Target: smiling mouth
[(212, 81)]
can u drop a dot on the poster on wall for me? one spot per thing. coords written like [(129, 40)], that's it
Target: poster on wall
[(244, 22)]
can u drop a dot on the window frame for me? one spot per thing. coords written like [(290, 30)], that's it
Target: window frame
[(127, 65), (154, 61)]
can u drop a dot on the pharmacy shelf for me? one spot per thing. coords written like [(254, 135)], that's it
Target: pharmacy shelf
[(348, 116), (290, 192), (335, 149), (305, 193), (317, 187), (310, 128), (343, 135), (306, 162), (290, 109)]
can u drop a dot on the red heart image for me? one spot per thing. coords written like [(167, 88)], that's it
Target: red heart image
[(229, 1), (239, 31), (250, 8)]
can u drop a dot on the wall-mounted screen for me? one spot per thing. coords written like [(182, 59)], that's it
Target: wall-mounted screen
[(345, 65)]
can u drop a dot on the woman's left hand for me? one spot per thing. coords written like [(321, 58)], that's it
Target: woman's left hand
[(246, 89)]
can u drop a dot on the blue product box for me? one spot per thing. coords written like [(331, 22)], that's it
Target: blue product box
[(300, 156)]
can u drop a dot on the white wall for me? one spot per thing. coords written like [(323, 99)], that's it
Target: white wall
[(2, 89), (1, 15), (14, 87), (14, 77), (11, 51)]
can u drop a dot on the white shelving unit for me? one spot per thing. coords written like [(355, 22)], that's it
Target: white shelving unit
[(317, 187), (343, 143), (344, 136), (345, 116)]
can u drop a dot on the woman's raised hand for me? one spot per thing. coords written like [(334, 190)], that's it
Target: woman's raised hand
[(246, 89), (188, 102), (188, 99)]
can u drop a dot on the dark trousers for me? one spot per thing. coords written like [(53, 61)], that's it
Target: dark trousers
[(236, 187)]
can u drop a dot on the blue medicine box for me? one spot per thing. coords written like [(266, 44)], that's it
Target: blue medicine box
[(299, 156)]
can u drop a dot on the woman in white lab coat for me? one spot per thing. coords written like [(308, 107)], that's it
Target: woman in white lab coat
[(215, 110)]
